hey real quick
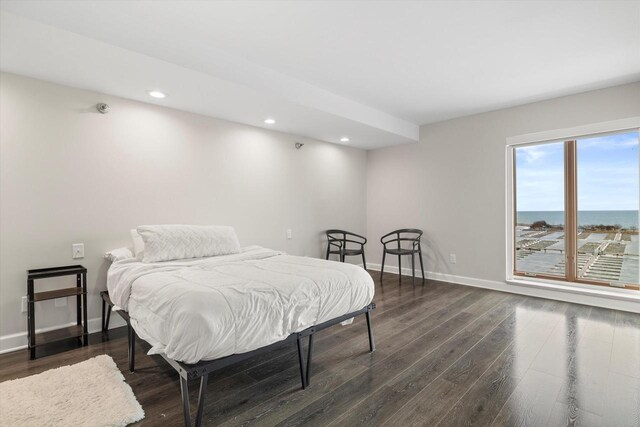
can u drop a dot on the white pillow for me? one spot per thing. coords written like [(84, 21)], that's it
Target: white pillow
[(118, 254), (168, 242), (138, 243)]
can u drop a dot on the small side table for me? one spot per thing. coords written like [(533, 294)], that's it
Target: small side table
[(80, 291)]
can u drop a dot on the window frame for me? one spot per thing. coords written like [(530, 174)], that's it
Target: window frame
[(568, 137)]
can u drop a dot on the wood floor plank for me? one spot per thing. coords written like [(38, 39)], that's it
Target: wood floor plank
[(334, 404), (558, 353), (411, 332), (324, 410), (432, 403), (529, 404), (622, 401), (386, 401), (563, 415), (482, 402), (275, 382), (625, 352), (600, 325), (292, 400)]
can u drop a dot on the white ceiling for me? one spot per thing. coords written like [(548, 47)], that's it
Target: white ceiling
[(372, 71)]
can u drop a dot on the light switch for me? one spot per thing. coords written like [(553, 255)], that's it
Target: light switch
[(289, 234), (77, 250)]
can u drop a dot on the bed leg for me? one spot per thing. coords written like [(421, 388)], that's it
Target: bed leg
[(106, 325), (301, 361), (203, 391), (309, 354), (372, 344), (184, 390), (132, 348)]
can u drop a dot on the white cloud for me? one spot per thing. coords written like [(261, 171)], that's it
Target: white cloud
[(532, 153), (610, 142)]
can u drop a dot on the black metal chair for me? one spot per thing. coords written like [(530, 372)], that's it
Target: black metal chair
[(410, 235), (337, 244)]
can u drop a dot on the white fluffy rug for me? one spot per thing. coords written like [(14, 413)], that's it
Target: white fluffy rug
[(90, 393)]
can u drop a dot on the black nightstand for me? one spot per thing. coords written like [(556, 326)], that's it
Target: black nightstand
[(80, 291)]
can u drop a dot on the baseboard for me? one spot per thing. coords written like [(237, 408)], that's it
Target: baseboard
[(13, 342), (578, 297)]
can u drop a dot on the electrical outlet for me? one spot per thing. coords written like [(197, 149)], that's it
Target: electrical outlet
[(23, 308), (289, 234), (452, 258), (77, 250), (60, 302)]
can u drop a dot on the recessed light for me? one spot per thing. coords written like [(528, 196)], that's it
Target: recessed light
[(157, 94), (269, 121), (344, 139)]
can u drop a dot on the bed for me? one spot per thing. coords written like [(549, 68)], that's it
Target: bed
[(202, 314)]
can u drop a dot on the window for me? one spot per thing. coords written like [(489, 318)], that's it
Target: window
[(575, 209), (539, 230)]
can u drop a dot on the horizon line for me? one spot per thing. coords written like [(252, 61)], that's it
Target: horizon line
[(589, 210)]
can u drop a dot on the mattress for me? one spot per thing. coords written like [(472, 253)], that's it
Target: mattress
[(207, 308)]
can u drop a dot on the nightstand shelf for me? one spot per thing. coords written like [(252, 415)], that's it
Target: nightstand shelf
[(79, 330), (62, 334), (58, 293)]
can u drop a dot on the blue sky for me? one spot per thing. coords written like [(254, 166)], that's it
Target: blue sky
[(608, 174)]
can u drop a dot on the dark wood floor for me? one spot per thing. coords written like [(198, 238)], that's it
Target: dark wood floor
[(446, 355)]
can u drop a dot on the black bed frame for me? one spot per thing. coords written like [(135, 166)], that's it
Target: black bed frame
[(203, 369)]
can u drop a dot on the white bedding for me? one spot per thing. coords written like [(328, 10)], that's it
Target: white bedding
[(207, 308)]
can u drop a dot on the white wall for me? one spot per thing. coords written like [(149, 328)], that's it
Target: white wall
[(452, 184), (70, 174)]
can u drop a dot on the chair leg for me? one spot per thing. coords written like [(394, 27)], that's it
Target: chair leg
[(421, 265), (413, 269), (364, 261), (399, 269), (384, 254), (328, 247)]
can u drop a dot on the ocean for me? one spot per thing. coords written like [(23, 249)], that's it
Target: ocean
[(625, 219)]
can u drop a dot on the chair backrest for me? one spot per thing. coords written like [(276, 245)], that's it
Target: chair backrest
[(345, 237), (402, 235)]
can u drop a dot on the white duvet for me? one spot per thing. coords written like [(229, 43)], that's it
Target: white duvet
[(207, 308)]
